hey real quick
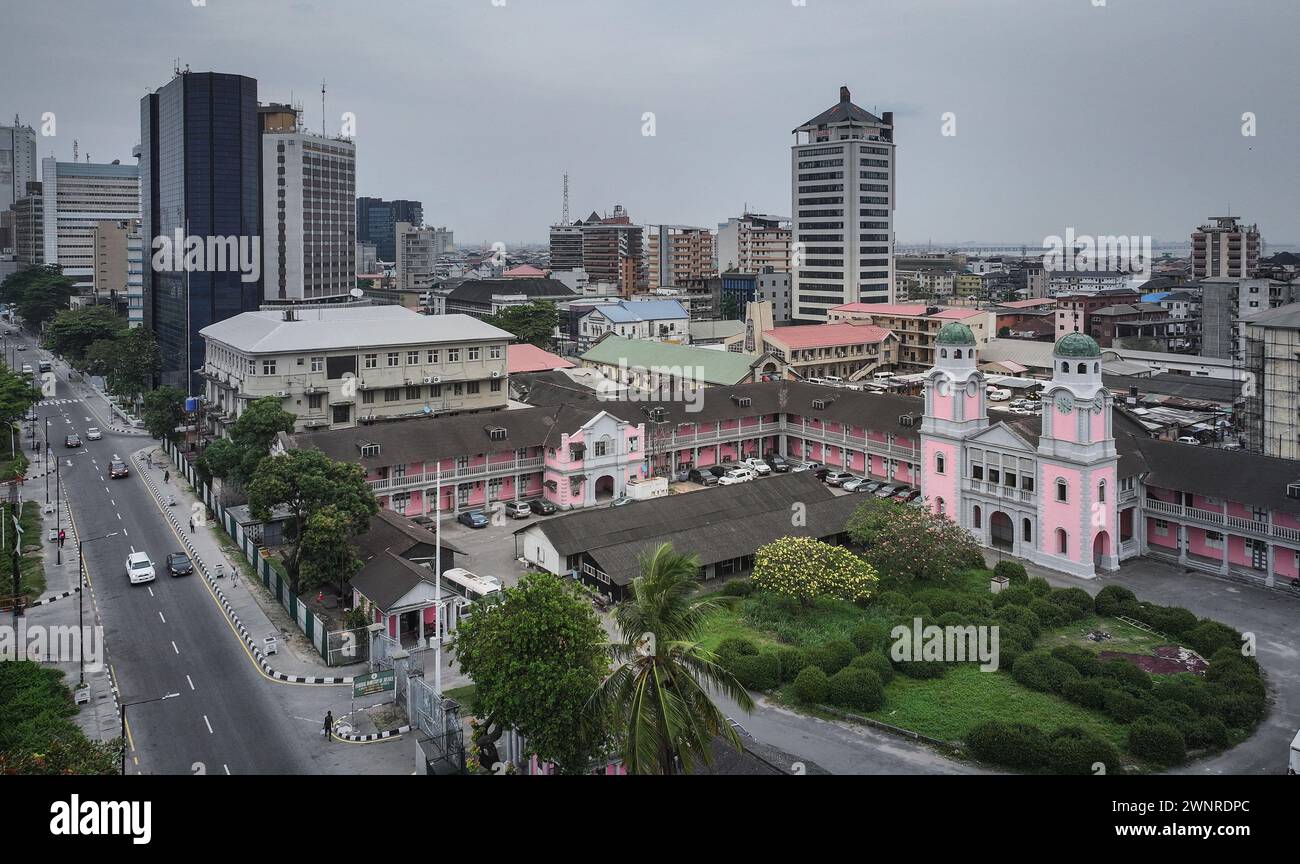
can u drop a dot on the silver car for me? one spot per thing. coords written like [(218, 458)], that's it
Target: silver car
[(887, 490)]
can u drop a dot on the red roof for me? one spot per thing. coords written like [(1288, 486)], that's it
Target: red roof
[(1027, 304), (523, 271), (529, 358), (917, 309), (826, 335)]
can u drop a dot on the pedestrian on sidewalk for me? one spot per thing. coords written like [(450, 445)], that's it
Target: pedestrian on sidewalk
[(329, 725), (62, 536), (191, 524), (167, 476)]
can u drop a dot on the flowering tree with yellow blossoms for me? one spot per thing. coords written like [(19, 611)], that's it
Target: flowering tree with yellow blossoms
[(806, 568)]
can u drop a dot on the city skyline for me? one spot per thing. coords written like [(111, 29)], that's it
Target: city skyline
[(574, 84)]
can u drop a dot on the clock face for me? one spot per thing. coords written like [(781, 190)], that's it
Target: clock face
[(943, 388), (1065, 403), (972, 387), (1098, 404)]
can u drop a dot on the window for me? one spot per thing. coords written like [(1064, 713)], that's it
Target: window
[(433, 355), (494, 352), (318, 364), (1083, 368), (1027, 531), (496, 385), (938, 463), (1027, 483), (458, 389), (602, 447), (372, 361), (1009, 480), (412, 358), (367, 397), (453, 355), (1065, 367), (394, 358), (632, 444), (1062, 490), (975, 515), (1062, 541), (995, 476), (315, 400), (1101, 492), (268, 367), (1214, 539), (977, 472), (392, 394), (939, 506), (472, 353), (436, 391), (412, 392)]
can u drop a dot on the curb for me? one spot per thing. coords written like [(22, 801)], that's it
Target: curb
[(48, 600), (373, 736), (252, 646)]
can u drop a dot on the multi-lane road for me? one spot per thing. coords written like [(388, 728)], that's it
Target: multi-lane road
[(171, 636)]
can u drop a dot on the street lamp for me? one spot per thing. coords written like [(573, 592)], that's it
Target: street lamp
[(126, 705), (81, 598)]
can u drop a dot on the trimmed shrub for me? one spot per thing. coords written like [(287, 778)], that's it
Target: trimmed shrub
[(810, 685), (859, 689), (843, 649), (1075, 601), (1015, 634), (1129, 676), (975, 605), (738, 588), (826, 659), (756, 672), (1039, 586), (1177, 715), (1015, 745), (1123, 706), (1088, 692), (870, 636), (1157, 742), (953, 619), (1008, 653), (1189, 690), (1012, 570), (1015, 596), (940, 600), (1209, 732), (1048, 612), (1019, 615), (1238, 712), (1072, 750), (919, 610), (894, 601), (1173, 620), (1040, 671), (791, 659), (877, 663), (1111, 599), (1080, 658), (921, 670), (736, 646), (1209, 636)]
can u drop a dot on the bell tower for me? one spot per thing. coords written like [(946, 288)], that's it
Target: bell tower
[(954, 410)]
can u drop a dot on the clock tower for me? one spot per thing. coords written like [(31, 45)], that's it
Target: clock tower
[(954, 411), (1078, 516)]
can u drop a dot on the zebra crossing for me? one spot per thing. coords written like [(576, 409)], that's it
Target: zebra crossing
[(45, 402)]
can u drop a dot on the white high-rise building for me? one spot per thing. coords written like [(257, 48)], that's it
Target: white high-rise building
[(309, 221), (842, 192), (753, 243), (17, 162), (78, 195)]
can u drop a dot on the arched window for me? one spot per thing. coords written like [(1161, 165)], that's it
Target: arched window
[(1096, 367), (957, 354), (1065, 367), (1101, 492), (975, 515), (938, 463), (939, 506), (1027, 530), (943, 352), (1062, 490), (1083, 368), (1062, 541)]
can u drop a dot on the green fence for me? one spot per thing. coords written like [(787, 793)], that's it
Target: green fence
[(267, 570)]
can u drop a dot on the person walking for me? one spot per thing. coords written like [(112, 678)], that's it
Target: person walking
[(191, 524), (167, 476), (62, 536), (329, 725)]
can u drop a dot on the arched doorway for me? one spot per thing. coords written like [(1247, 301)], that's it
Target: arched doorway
[(604, 487), (1100, 548), (1002, 531)]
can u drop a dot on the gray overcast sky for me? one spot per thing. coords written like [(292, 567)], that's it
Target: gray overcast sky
[(1122, 119)]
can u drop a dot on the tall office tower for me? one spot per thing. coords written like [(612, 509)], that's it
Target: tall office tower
[(200, 172), (29, 226), (566, 246), (77, 196), (842, 192), (310, 247), (752, 243), (135, 276), (1225, 247), (417, 254), (17, 162), (613, 251), (112, 270), (679, 254), (377, 223)]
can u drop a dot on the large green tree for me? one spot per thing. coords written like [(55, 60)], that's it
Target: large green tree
[(16, 394), (72, 331), (533, 323), (657, 700), (162, 411), (536, 656), (37, 293), (304, 483), (911, 542), (236, 457), (135, 364), (328, 555)]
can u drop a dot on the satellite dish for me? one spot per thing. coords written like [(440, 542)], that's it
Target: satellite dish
[(357, 293)]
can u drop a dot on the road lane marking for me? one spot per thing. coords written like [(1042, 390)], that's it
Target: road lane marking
[(174, 648), (206, 723), (151, 592), (227, 767), (187, 678), (160, 615)]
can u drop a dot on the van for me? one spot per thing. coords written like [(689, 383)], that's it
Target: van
[(882, 376), (996, 395), (45, 366), (27, 369)]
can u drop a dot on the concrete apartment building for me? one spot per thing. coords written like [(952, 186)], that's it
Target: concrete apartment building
[(677, 255), (79, 195), (377, 223), (1225, 247), (112, 270), (29, 226), (1227, 300), (1271, 418), (18, 164), (1071, 282), (1073, 310), (754, 243), (741, 289), (309, 216), (843, 197), (418, 249), (847, 351), (337, 366), (916, 325)]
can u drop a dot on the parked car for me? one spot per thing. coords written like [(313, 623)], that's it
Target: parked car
[(73, 440), (909, 497), (683, 475), (518, 509), (704, 478), (1188, 439), (814, 467), (870, 488), (853, 484), (719, 470), (996, 395), (93, 434), (542, 507), (472, 519), (902, 493), (887, 490), (759, 467), (117, 468), (139, 568), (778, 464), (179, 564), (621, 502), (836, 478), (737, 475)]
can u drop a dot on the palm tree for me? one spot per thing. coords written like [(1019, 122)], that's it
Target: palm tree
[(657, 700)]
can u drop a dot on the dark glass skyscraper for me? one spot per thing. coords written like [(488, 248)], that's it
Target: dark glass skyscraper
[(377, 223), (200, 152)]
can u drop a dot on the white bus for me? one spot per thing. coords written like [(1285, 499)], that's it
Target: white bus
[(471, 585)]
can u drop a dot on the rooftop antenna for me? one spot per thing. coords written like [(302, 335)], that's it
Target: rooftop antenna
[(74, 149), (564, 219), (322, 107)]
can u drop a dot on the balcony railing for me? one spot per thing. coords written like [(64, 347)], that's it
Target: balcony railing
[(1011, 493), (1254, 527), (466, 472)]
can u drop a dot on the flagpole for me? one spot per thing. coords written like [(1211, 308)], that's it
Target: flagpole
[(437, 578)]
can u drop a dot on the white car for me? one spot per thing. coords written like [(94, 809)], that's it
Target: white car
[(760, 467), (93, 434), (139, 568), (999, 395), (1188, 439), (737, 475)]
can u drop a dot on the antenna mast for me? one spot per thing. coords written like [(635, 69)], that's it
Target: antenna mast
[(322, 107), (564, 220)]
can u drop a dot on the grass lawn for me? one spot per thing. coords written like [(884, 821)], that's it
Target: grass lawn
[(465, 696), (31, 566), (1125, 638)]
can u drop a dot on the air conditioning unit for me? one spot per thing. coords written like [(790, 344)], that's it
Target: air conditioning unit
[(1293, 490), (496, 373), (283, 394), (429, 379)]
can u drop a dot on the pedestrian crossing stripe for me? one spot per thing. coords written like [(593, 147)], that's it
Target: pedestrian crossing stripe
[(58, 402)]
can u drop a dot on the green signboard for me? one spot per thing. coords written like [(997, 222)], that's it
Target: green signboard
[(376, 682)]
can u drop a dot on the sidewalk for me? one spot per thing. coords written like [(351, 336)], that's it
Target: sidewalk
[(245, 596)]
